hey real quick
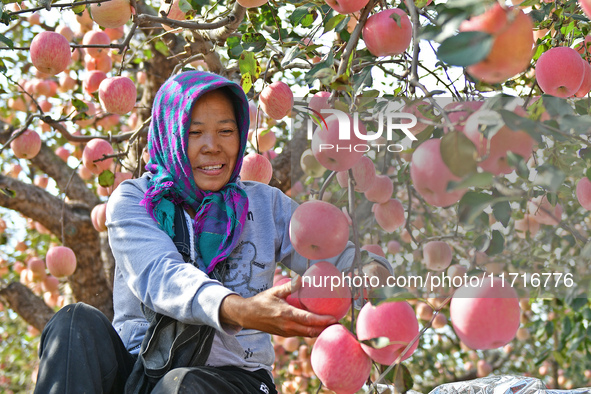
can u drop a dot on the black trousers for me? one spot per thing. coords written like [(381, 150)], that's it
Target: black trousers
[(81, 353)]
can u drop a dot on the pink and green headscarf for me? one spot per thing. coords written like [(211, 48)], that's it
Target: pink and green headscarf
[(220, 215)]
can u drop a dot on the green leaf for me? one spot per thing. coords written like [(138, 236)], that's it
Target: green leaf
[(185, 6), (79, 9), (3, 69), (497, 243), (403, 380), (588, 173), (303, 15), (79, 105), (517, 162), (106, 178), (332, 23), (254, 42), (458, 153), (575, 344), (549, 328), (234, 47), (6, 41), (567, 327), (465, 48), (290, 55), (361, 80), (502, 212), (479, 179), (381, 342), (556, 106), (246, 82), (549, 177), (161, 47), (396, 19), (517, 123), (576, 124), (471, 205), (8, 192)]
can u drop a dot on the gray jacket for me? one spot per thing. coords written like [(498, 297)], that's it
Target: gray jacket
[(150, 270)]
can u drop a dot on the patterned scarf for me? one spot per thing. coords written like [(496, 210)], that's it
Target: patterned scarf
[(220, 215)]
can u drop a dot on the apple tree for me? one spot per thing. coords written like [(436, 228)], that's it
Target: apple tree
[(484, 175)]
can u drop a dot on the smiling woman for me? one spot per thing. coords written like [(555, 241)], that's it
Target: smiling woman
[(196, 251)]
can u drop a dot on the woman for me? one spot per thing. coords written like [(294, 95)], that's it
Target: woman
[(239, 230)]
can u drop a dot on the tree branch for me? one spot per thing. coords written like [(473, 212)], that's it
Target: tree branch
[(28, 306)]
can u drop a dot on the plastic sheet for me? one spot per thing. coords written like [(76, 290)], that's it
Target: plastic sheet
[(502, 384)]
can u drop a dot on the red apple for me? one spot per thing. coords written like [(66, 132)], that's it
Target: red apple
[(119, 177), (339, 361), (324, 292), (103, 63), (430, 175), (50, 52), (66, 83), (511, 52), (61, 261), (276, 100), (37, 268), (389, 215), (256, 168), (252, 3), (318, 230), (117, 95), (346, 6), (112, 13), (560, 71), (583, 193), (95, 150), (586, 83), (115, 33), (95, 37), (335, 153), (27, 145), (485, 316), (440, 321), (381, 190), (93, 80), (526, 225), (263, 140), (65, 31), (41, 181), (364, 173), (586, 7), (505, 140), (483, 368), (393, 247), (385, 36), (63, 153), (393, 320), (319, 101), (98, 215), (437, 255), (293, 298), (50, 283)]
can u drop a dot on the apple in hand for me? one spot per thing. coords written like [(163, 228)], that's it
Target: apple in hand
[(50, 52), (318, 295), (293, 298), (318, 230), (339, 361)]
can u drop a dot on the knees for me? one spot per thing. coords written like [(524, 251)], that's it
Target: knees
[(75, 315)]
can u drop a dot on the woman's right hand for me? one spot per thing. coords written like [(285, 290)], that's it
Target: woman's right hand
[(269, 312)]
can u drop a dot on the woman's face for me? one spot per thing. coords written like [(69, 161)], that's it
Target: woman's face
[(214, 141)]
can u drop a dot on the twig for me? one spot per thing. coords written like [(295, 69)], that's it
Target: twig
[(414, 16), (58, 5)]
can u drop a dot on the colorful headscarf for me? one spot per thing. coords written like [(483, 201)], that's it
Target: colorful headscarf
[(220, 215)]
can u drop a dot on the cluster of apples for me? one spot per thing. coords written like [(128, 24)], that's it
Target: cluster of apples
[(60, 261)]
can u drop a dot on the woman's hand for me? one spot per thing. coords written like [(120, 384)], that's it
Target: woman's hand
[(269, 312)]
